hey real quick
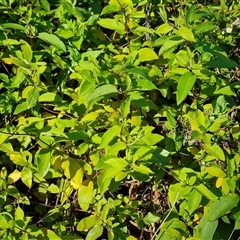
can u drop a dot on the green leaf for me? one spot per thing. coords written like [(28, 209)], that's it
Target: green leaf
[(142, 169), (17, 158), (14, 177), (146, 54), (185, 85), (45, 5), (10, 42), (227, 91), (87, 223), (102, 91), (164, 29), (19, 214), (223, 206), (52, 40), (182, 58), (43, 160), (161, 40), (140, 30), (26, 176), (26, 50), (109, 135), (191, 14), (90, 117), (206, 192), (73, 170), (68, 7), (170, 43), (116, 162), (53, 189), (20, 108), (173, 233), (50, 234), (125, 107), (206, 228), (85, 89), (65, 33), (50, 97), (110, 9), (163, 14), (215, 151), (143, 84), (151, 218), (95, 232), (115, 148), (15, 26), (216, 172), (137, 71), (186, 33), (152, 139), (79, 135), (194, 200), (121, 3), (4, 221), (4, 77), (103, 183), (104, 212), (109, 173), (221, 63), (166, 232), (112, 24), (32, 98), (177, 191), (85, 195), (18, 79), (204, 28)]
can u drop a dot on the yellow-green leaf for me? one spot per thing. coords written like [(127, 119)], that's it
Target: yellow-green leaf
[(32, 97), (85, 195), (72, 170), (216, 172), (43, 161), (14, 176), (90, 117), (236, 131), (222, 206), (102, 91), (95, 232), (143, 169), (17, 158), (121, 3), (26, 176), (19, 214), (112, 24), (185, 85), (52, 40), (169, 43), (206, 192), (87, 223), (125, 107), (49, 234), (215, 151), (186, 33), (109, 135), (164, 28), (146, 54), (26, 50)]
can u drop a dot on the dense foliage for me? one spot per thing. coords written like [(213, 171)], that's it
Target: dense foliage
[(119, 119)]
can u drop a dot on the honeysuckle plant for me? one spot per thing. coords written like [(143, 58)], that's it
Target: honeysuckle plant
[(119, 119)]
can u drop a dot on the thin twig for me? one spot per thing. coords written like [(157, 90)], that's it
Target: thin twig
[(234, 229), (175, 200)]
